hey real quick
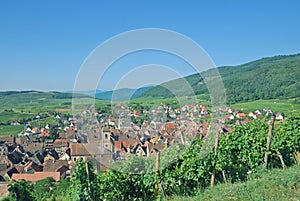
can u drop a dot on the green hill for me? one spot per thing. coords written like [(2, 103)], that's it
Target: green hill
[(266, 78), (34, 101)]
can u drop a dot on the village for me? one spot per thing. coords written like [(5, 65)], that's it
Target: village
[(103, 139)]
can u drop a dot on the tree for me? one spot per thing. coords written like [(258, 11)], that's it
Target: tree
[(21, 190), (53, 133), (43, 188)]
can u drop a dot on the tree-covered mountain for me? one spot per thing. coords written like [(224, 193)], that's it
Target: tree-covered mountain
[(266, 78)]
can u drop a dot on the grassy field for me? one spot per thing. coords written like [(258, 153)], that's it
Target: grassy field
[(276, 105), (10, 129), (277, 184), (8, 115)]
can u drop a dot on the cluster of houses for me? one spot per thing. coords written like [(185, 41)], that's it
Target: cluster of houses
[(33, 156), (240, 118)]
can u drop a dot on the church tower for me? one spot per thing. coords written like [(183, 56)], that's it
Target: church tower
[(106, 141)]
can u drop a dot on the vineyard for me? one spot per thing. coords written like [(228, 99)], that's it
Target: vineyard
[(231, 158)]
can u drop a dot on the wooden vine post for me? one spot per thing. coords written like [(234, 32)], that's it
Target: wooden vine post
[(157, 172), (87, 174), (212, 179), (281, 159), (271, 125)]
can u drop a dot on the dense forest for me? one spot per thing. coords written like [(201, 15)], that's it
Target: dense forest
[(267, 78)]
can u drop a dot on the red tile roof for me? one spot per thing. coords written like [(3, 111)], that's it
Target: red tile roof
[(36, 176), (78, 149), (124, 143), (45, 134)]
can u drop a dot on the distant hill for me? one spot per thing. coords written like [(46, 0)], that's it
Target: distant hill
[(38, 98), (35, 98), (122, 94), (88, 92), (117, 95), (266, 78)]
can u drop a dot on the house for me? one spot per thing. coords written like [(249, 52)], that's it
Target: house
[(230, 111), (48, 144), (30, 143), (65, 155), (204, 111), (61, 166), (170, 128), (111, 121), (15, 157), (31, 166), (61, 145), (240, 115), (252, 114), (38, 157), (13, 170), (124, 145), (52, 156), (78, 150), (44, 133), (278, 117), (18, 148), (259, 112), (93, 152), (140, 150), (8, 140), (36, 176), (35, 130), (14, 123)]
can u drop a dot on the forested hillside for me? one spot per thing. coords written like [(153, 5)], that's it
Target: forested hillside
[(267, 78)]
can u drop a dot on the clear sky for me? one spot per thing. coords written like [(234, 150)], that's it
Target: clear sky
[(44, 43)]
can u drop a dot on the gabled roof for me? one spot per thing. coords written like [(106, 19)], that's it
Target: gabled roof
[(78, 149), (32, 165), (54, 154), (38, 157), (36, 176), (50, 166), (12, 170), (139, 147), (15, 157), (125, 144)]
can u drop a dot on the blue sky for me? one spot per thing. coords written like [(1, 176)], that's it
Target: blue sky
[(44, 43)]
